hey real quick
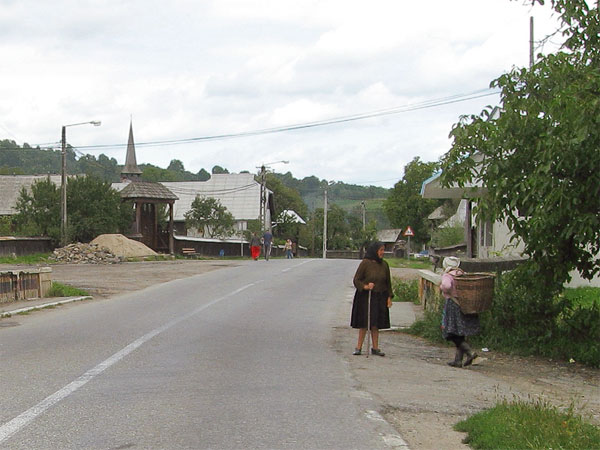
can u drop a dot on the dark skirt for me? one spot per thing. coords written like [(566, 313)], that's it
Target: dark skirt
[(455, 323), (380, 313)]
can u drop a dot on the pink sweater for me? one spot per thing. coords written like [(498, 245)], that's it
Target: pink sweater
[(448, 286)]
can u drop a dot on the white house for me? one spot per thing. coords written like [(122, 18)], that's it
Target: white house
[(486, 239)]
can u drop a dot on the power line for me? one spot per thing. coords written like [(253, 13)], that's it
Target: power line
[(301, 126)]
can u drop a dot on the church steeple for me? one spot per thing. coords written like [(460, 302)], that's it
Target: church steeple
[(130, 171)]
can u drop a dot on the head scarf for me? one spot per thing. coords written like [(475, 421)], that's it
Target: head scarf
[(372, 251), (451, 263)]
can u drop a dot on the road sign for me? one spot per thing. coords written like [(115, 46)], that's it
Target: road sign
[(409, 232)]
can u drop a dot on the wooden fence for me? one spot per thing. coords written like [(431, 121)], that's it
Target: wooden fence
[(22, 285)]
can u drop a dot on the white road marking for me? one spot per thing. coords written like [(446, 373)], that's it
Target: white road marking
[(296, 266), (13, 426)]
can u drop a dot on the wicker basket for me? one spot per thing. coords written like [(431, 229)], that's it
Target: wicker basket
[(475, 292)]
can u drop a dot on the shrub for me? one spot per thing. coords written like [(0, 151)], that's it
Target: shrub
[(405, 291), (447, 236)]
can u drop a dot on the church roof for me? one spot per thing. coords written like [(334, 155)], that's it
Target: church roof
[(131, 167), (146, 190)]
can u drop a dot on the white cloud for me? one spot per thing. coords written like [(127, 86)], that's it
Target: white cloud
[(188, 69)]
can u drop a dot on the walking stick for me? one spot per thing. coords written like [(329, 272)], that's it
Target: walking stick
[(369, 324)]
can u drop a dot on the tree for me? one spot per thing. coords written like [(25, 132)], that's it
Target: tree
[(94, 208), (219, 170), (38, 212), (176, 166), (207, 215), (405, 206), (203, 175), (540, 157)]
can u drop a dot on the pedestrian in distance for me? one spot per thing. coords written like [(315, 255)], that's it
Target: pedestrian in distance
[(255, 246), (288, 249), (456, 326), (267, 243), (372, 276)]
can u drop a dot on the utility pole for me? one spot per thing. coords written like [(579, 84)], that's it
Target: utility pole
[(263, 176), (531, 42), (364, 215), (325, 224), (63, 179), (63, 188)]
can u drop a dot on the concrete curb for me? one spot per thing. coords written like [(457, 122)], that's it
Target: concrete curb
[(44, 305)]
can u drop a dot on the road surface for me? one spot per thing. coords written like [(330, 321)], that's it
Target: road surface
[(240, 358)]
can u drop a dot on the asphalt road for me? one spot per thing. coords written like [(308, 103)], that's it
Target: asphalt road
[(240, 358)]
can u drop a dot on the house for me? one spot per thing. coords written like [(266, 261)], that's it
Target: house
[(486, 240), (240, 193), (10, 189), (392, 240)]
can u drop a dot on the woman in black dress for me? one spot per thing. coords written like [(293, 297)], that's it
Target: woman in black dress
[(373, 274)]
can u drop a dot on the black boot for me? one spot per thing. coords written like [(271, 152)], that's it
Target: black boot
[(458, 357), (470, 354)]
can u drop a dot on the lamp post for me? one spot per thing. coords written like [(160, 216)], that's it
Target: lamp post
[(263, 192), (63, 179)]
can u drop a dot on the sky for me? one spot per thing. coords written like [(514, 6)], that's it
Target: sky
[(200, 71)]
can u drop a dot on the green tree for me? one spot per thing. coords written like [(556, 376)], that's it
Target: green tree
[(38, 212), (203, 175), (405, 206), (207, 215), (219, 170), (285, 197), (540, 157), (95, 208)]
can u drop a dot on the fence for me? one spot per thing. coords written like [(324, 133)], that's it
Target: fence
[(22, 285), (19, 246)]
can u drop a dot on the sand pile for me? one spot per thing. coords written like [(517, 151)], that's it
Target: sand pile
[(123, 247)]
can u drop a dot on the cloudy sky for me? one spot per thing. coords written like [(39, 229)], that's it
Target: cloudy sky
[(197, 69)]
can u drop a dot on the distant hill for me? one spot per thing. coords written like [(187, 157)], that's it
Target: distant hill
[(26, 160)]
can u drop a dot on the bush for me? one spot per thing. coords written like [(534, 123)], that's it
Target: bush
[(405, 291), (447, 236), (527, 319)]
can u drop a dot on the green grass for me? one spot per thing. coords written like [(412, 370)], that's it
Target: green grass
[(409, 263), (62, 290), (526, 425), (35, 258)]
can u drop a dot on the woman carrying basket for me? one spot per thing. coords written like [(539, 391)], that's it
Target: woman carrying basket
[(456, 325)]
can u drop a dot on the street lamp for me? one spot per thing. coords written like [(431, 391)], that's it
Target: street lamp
[(63, 179), (263, 192)]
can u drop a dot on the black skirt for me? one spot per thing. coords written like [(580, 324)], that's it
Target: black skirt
[(380, 313)]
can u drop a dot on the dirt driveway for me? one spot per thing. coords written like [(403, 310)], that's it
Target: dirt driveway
[(419, 394)]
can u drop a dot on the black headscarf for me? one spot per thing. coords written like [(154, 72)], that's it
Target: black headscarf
[(372, 251)]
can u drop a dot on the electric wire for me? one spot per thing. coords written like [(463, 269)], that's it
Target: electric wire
[(307, 125)]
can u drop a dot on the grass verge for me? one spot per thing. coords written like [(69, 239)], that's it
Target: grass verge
[(526, 425), (62, 290), (34, 258), (404, 263)]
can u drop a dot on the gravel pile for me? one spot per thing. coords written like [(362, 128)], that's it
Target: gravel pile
[(84, 254)]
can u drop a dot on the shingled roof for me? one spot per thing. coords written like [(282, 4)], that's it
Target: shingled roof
[(147, 190), (10, 188)]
